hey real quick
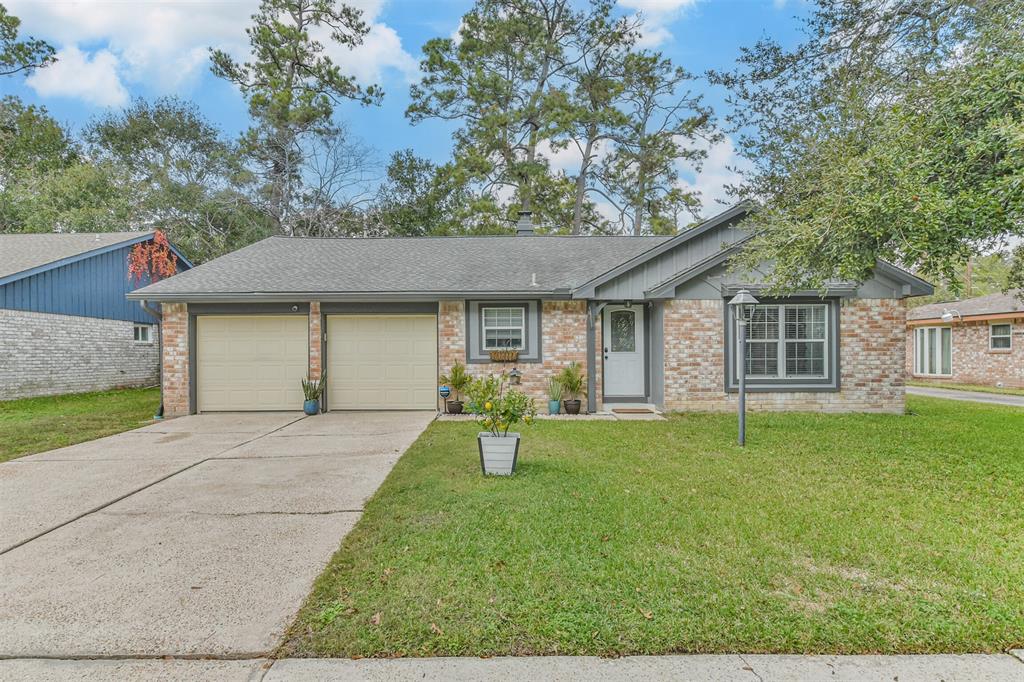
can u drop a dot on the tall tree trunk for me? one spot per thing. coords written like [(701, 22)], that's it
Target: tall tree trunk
[(581, 181)]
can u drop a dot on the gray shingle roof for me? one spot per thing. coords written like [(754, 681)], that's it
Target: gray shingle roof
[(993, 304), (21, 252), (426, 265)]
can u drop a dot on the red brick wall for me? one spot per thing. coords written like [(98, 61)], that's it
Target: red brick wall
[(872, 338), (563, 340), (315, 341), (973, 362), (175, 361)]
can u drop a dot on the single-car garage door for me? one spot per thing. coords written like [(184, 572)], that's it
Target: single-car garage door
[(382, 362), (251, 362)]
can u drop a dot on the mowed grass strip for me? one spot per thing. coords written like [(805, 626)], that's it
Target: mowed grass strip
[(828, 533), (38, 424)]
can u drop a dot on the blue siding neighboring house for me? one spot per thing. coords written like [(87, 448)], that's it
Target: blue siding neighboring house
[(65, 324)]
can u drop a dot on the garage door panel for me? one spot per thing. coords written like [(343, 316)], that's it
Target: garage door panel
[(248, 363), (382, 361)]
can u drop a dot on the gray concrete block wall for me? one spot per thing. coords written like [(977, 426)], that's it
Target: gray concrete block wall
[(47, 354)]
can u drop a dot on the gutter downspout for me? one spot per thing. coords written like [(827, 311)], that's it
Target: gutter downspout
[(155, 312)]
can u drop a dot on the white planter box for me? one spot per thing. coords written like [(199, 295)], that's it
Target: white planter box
[(498, 453)]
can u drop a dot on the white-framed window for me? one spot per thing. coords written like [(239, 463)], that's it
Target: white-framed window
[(788, 341), (503, 327), (933, 351), (143, 333), (1000, 336)]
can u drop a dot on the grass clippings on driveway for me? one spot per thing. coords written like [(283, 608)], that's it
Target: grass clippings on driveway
[(828, 533), (38, 424)]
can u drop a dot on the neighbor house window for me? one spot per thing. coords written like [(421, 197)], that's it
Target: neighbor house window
[(933, 351), (503, 328), (1000, 336), (788, 341), (143, 333)]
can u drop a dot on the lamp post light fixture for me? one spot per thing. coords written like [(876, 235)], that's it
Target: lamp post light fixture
[(743, 308)]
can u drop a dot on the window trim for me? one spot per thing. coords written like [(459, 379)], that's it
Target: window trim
[(148, 328), (533, 339), (1008, 336), (831, 382), (523, 312), (920, 332)]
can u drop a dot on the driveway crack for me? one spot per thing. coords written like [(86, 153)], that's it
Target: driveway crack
[(100, 507)]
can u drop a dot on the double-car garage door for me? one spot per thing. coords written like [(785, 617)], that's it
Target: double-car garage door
[(374, 362)]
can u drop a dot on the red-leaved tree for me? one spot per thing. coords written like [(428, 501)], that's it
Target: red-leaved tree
[(153, 259)]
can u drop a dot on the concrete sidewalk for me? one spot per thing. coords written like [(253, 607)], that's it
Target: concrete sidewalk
[(725, 667), (969, 396)]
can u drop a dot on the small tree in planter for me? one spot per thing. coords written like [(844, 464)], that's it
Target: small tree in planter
[(313, 390), (457, 379), (573, 382), (498, 410)]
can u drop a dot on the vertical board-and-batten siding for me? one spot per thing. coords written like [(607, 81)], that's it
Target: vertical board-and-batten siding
[(91, 287), (631, 285)]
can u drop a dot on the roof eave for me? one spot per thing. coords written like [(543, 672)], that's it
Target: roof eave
[(342, 296)]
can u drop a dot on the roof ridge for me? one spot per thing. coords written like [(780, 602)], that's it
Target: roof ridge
[(469, 236)]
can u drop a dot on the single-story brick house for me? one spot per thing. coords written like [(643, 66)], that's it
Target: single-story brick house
[(65, 325), (645, 316), (973, 341)]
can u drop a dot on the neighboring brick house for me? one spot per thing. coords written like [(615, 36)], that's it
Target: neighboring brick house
[(645, 316), (974, 341), (65, 324)]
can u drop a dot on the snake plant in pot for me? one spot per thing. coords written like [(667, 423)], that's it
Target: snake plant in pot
[(498, 409), (313, 390), (555, 392)]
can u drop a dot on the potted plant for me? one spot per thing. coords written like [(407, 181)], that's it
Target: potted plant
[(313, 390), (555, 392), (497, 411), (457, 379), (573, 382)]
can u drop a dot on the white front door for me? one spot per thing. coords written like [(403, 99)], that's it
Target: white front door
[(623, 340)]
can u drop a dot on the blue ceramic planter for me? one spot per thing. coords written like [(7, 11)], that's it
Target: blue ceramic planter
[(554, 406), (311, 407)]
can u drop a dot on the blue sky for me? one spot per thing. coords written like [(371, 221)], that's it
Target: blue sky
[(111, 51)]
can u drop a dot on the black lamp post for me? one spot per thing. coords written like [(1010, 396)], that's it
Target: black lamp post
[(743, 307)]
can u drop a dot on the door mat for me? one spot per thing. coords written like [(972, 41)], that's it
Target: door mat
[(632, 410)]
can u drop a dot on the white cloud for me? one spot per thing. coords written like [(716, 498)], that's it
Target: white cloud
[(720, 168), (657, 14), (380, 50), (163, 43), (93, 78)]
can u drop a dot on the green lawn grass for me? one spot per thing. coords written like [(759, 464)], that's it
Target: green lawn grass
[(966, 387), (828, 533), (39, 424)]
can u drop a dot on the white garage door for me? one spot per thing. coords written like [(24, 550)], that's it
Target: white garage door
[(382, 362), (249, 363)]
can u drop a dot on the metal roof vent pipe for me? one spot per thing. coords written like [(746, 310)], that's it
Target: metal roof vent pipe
[(524, 228)]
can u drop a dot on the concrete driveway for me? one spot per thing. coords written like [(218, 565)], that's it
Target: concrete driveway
[(196, 536), (969, 396)]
